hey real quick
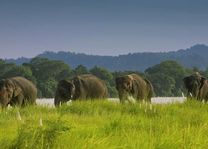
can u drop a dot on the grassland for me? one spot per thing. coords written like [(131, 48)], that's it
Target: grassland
[(106, 125)]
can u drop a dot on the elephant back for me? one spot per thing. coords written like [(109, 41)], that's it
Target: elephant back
[(89, 86)]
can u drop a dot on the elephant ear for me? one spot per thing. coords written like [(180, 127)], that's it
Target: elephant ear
[(78, 85), (202, 81), (77, 81), (9, 83), (65, 86), (17, 91), (130, 82), (12, 87)]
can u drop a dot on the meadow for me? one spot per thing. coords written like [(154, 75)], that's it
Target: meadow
[(106, 125)]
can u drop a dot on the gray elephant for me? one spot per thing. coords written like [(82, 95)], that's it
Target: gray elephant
[(85, 86), (197, 86), (132, 88), (17, 91)]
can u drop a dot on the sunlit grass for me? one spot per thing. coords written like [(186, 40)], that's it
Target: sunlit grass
[(103, 124)]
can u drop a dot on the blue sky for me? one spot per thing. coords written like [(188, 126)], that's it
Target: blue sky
[(102, 27)]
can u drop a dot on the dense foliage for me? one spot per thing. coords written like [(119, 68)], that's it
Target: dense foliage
[(166, 77)]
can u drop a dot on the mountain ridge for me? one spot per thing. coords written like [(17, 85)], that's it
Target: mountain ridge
[(195, 56)]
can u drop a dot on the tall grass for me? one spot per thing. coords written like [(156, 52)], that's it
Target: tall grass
[(103, 124)]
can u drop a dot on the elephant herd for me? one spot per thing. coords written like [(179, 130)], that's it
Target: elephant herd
[(18, 91)]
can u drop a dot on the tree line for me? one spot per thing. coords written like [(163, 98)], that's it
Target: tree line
[(166, 77)]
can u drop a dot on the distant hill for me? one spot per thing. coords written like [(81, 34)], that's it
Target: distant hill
[(19, 61), (196, 56)]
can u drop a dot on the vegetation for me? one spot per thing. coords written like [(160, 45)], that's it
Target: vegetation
[(103, 124), (166, 77)]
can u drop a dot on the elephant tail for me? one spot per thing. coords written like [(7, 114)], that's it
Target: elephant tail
[(150, 89)]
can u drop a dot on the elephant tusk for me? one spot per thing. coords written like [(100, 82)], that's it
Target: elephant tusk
[(182, 94), (131, 99), (190, 94)]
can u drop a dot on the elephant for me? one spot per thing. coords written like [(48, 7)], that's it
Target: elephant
[(17, 91), (197, 86), (132, 88), (81, 87)]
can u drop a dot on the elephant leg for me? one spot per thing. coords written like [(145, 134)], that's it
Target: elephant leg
[(205, 97), (20, 100), (121, 98), (131, 99), (58, 102), (17, 101)]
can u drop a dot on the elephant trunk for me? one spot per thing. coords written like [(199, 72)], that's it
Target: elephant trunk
[(125, 96), (195, 91), (57, 101)]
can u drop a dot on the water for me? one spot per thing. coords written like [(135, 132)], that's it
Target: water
[(154, 100)]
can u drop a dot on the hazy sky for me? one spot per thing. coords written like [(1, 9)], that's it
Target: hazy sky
[(103, 27)]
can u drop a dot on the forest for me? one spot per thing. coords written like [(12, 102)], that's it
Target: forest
[(166, 76)]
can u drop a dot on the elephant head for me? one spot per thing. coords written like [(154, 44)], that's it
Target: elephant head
[(124, 86), (193, 84), (65, 92), (8, 91)]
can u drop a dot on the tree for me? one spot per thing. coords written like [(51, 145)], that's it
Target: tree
[(43, 68), (47, 88), (23, 71), (101, 73), (48, 73), (107, 76), (166, 78), (79, 70), (5, 67)]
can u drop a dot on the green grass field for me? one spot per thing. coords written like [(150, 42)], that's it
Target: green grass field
[(106, 125)]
